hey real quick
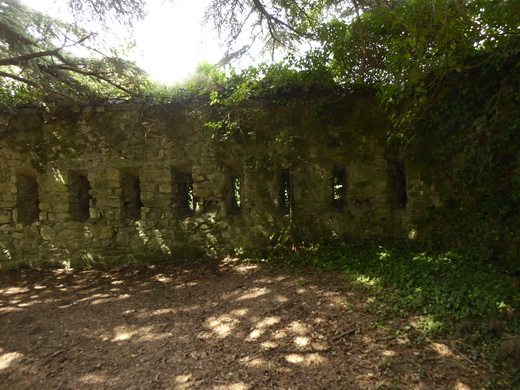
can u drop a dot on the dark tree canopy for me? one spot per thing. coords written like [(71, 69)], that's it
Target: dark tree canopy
[(36, 58)]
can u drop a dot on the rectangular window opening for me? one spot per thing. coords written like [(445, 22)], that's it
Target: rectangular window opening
[(79, 196), (339, 189), (400, 178), (131, 194), (27, 199), (236, 200), (285, 201), (186, 199)]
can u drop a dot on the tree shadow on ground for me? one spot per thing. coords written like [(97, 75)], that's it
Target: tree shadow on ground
[(213, 325)]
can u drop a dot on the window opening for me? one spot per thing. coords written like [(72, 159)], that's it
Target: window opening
[(27, 198), (132, 194), (79, 196), (237, 193), (339, 189), (402, 194), (285, 192), (185, 192)]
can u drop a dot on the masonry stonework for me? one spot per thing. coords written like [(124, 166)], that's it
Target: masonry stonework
[(126, 183)]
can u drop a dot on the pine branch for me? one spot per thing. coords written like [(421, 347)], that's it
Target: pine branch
[(41, 87)]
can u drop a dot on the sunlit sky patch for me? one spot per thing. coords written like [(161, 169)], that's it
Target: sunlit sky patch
[(170, 42)]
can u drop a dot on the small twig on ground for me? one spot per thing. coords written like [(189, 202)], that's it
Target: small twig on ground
[(462, 355), (345, 334), (52, 356)]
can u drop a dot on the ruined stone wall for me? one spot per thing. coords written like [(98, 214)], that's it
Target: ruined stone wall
[(120, 184)]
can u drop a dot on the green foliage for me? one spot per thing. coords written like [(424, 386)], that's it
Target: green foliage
[(37, 64), (474, 302), (442, 286)]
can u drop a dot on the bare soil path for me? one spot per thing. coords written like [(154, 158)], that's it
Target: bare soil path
[(212, 325)]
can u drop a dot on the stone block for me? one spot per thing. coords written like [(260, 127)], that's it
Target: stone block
[(5, 218), (113, 174), (159, 203), (6, 229), (165, 188), (217, 177), (202, 192), (114, 202), (158, 175), (94, 213), (114, 185), (147, 195), (18, 236), (57, 208), (48, 233), (102, 232), (44, 206), (199, 177)]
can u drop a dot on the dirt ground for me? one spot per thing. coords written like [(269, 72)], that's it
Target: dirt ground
[(212, 325)]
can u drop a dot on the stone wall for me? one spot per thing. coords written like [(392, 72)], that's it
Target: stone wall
[(125, 183)]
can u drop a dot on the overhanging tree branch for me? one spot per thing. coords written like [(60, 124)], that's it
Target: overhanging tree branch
[(41, 87), (20, 60), (271, 18), (16, 37), (97, 76)]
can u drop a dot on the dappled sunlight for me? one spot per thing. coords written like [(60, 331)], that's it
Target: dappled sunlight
[(149, 333), (297, 327), (97, 299), (223, 328), (305, 360), (163, 278), (234, 386), (27, 304), (301, 341), (188, 308), (94, 379), (122, 333), (6, 253), (242, 268), (442, 349), (190, 284), (6, 359), (254, 293), (266, 345), (183, 381), (5, 310), (280, 299), (461, 386), (56, 173), (160, 312), (14, 290), (152, 235), (261, 327), (271, 279)]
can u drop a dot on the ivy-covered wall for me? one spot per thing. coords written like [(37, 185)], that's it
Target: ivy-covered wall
[(122, 183)]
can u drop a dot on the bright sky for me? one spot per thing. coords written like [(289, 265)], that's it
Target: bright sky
[(170, 40)]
